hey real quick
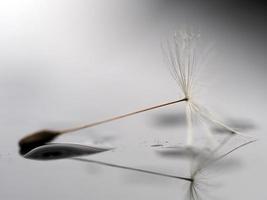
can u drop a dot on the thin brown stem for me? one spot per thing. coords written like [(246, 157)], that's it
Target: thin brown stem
[(120, 116), (42, 137)]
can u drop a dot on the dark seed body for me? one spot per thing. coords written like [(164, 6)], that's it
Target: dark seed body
[(36, 139)]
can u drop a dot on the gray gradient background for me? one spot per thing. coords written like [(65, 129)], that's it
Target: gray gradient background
[(66, 62)]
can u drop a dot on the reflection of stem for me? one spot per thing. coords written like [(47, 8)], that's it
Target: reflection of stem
[(120, 116), (234, 149), (133, 169), (210, 161)]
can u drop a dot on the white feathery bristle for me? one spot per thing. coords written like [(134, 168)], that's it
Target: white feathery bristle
[(189, 124), (181, 52), (208, 116)]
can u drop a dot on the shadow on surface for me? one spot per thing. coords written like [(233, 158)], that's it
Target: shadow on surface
[(170, 120)]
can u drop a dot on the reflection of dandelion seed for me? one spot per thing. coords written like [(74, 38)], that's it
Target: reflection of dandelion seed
[(200, 167), (196, 180)]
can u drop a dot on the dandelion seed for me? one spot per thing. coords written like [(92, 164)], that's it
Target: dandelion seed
[(181, 53)]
